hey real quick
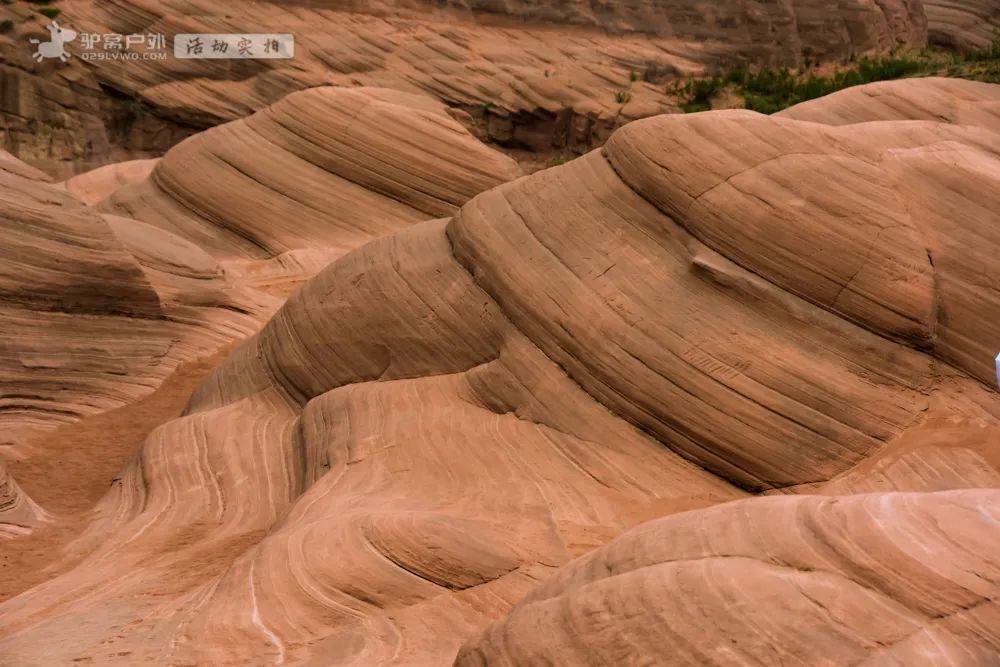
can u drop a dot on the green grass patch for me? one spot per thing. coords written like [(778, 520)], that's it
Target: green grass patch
[(699, 92), (982, 65), (770, 90)]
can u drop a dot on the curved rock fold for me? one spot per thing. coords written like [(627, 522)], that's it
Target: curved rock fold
[(442, 443)]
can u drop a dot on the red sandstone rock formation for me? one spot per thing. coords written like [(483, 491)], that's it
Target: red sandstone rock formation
[(93, 312), (441, 438), (323, 168), (527, 74), (97, 310), (94, 186), (868, 579), (963, 24)]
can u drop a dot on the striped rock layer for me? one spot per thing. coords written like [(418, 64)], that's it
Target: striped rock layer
[(430, 449), (537, 74)]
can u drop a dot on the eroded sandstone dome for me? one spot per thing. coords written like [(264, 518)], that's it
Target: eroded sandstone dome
[(411, 453)]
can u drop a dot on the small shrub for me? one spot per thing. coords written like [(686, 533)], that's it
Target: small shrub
[(6, 26), (991, 52), (633, 76), (699, 94), (695, 107), (760, 104), (771, 90), (737, 75), (623, 96), (981, 65), (50, 12)]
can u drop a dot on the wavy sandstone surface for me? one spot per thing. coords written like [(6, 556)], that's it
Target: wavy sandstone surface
[(965, 24), (323, 168), (95, 312), (537, 74), (879, 579), (94, 186), (439, 444), (98, 310)]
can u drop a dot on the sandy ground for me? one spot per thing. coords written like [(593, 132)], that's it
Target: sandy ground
[(73, 466)]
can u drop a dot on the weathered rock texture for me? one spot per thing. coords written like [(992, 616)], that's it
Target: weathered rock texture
[(95, 310), (962, 24), (713, 305), (98, 309), (63, 117), (19, 514), (881, 579), (528, 74), (326, 168), (94, 186)]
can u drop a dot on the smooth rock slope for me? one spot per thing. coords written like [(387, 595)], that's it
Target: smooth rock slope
[(95, 312), (869, 579), (98, 309), (429, 431), (317, 174)]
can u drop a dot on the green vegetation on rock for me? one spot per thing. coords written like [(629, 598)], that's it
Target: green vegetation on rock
[(770, 90)]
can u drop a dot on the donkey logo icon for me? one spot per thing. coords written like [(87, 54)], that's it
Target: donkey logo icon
[(56, 46)]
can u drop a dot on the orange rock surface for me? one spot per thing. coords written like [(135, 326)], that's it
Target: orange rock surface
[(539, 74), (880, 579), (770, 338), (965, 24), (97, 310), (326, 168)]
